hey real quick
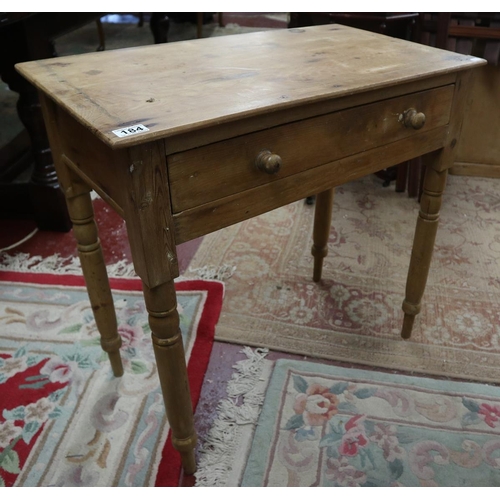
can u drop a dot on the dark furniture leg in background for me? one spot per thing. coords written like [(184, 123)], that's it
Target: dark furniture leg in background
[(159, 24), (25, 37), (44, 193)]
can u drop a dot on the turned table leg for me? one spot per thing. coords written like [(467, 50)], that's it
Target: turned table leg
[(94, 270), (321, 231), (161, 303), (81, 213), (423, 243), (150, 229)]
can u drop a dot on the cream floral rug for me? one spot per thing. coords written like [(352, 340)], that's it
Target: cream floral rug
[(298, 423), (65, 420), (355, 314)]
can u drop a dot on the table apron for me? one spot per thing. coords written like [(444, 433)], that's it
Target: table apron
[(211, 172), (235, 208)]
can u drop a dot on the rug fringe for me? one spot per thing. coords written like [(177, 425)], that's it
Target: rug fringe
[(23, 262), (221, 273), (241, 407)]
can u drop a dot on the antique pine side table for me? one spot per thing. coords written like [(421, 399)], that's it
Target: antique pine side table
[(186, 138)]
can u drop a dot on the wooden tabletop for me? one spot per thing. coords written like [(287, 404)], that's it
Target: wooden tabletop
[(182, 86)]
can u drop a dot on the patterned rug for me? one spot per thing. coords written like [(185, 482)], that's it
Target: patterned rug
[(323, 425), (64, 419), (354, 314)]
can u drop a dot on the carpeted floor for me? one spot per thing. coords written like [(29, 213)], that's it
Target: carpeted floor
[(355, 314), (64, 419), (322, 425)]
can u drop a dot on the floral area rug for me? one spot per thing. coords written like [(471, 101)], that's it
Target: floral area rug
[(354, 314), (65, 420), (322, 425)]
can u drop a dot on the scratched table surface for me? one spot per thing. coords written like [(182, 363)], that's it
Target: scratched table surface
[(184, 86)]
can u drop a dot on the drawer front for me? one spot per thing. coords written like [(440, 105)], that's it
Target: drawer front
[(224, 168)]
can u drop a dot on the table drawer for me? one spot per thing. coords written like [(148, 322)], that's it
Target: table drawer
[(227, 167)]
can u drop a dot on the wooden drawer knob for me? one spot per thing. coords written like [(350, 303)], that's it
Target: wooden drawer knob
[(268, 162), (413, 119)]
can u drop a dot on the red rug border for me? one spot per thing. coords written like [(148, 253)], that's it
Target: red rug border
[(169, 470)]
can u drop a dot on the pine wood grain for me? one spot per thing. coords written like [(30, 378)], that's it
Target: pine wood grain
[(223, 212), (161, 303), (94, 162), (205, 174), (172, 88), (148, 215), (321, 230), (437, 162), (327, 99), (280, 116), (81, 212)]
